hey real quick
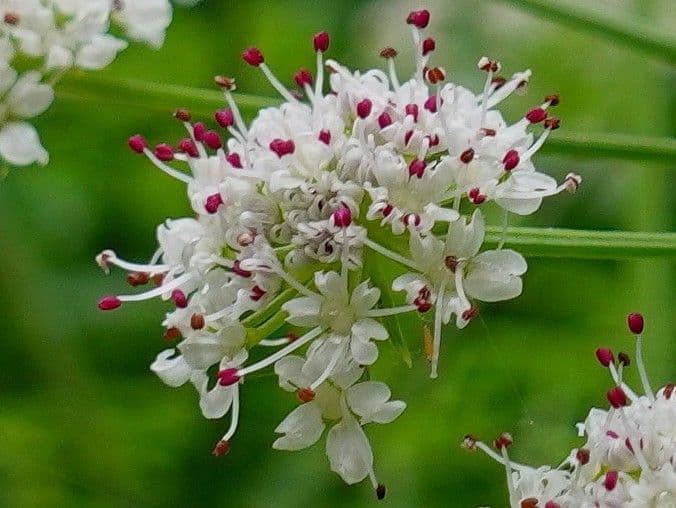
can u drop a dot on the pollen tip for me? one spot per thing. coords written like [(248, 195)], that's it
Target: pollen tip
[(253, 56), (605, 356), (320, 41), (228, 377), (225, 118), (221, 449), (420, 19), (137, 143), (109, 303), (182, 114), (381, 491), (635, 323), (617, 397)]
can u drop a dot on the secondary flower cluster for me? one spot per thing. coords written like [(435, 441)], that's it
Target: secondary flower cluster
[(323, 219), (629, 458), (50, 37)]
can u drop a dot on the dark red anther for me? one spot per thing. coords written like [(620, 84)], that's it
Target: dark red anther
[(422, 305), (529, 502), (303, 77), (624, 359), (342, 217), (212, 203), (605, 356), (137, 143), (253, 57), (511, 160), (628, 444), (610, 481), (582, 456), (473, 192), (428, 45), (240, 271), (411, 219), (179, 298), (198, 131), (171, 333), (164, 152), (431, 104), (553, 99), (451, 263), (435, 75), (225, 82), (325, 136), (470, 314), (612, 434), (234, 160), (412, 110), (504, 440), (136, 279), (668, 391), (109, 303), (467, 156), (381, 491), (384, 120), (552, 504), (420, 19), (498, 82), (282, 147), (417, 168), (213, 140), (536, 115), (617, 397), (306, 394), (321, 41), (387, 210), (158, 279), (11, 18), (433, 139), (225, 118), (182, 114), (478, 199), (221, 449), (257, 293), (407, 137), (197, 321), (364, 108), (635, 323), (188, 147), (469, 442), (552, 123), (388, 52), (488, 132), (228, 377)]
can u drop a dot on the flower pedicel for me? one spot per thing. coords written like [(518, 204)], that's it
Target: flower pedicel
[(293, 212)]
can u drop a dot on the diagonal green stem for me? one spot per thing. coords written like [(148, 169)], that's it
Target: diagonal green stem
[(612, 146), (570, 243), (618, 28)]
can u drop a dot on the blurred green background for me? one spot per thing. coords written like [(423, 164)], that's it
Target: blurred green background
[(83, 422)]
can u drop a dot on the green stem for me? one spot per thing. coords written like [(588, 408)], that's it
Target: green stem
[(255, 335), (164, 97), (80, 86), (618, 28), (570, 243)]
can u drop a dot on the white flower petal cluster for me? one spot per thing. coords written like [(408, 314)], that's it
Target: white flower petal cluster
[(628, 460), (57, 35), (296, 211)]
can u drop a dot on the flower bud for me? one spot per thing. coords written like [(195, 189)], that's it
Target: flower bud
[(635, 323), (321, 41), (253, 57)]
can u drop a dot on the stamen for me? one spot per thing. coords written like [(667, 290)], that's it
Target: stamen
[(108, 256), (635, 322), (391, 311), (158, 291), (228, 85), (329, 368), (167, 169), (234, 419), (312, 334), (389, 54), (389, 254), (436, 344), (274, 343)]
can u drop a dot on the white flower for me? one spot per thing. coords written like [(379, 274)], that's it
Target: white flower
[(145, 21)]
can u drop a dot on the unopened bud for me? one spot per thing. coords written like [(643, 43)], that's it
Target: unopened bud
[(635, 323)]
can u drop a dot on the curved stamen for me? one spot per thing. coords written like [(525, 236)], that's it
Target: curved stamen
[(234, 419), (390, 254), (436, 344), (276, 84), (391, 311), (167, 169), (281, 353), (329, 368), (158, 291)]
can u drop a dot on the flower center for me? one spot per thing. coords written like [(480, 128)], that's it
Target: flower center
[(337, 316)]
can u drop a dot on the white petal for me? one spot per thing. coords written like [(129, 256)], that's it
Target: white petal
[(289, 370), (28, 97), (20, 145), (201, 353), (349, 451), (301, 428), (506, 260), (370, 399), (520, 206), (492, 285), (364, 297), (100, 52), (302, 311), (465, 239), (330, 284), (366, 329), (216, 402), (364, 352), (173, 371)]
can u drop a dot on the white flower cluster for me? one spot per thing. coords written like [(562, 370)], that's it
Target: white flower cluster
[(297, 211), (54, 36), (629, 459)]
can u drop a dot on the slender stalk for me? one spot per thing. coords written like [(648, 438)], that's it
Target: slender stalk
[(613, 146), (618, 28), (570, 243)]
